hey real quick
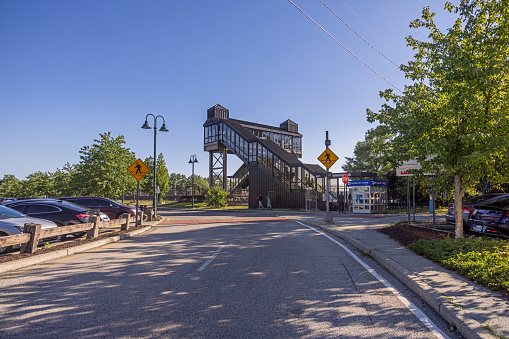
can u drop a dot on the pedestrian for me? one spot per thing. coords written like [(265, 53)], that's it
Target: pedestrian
[(341, 203), (331, 200), (349, 202), (268, 202), (260, 201)]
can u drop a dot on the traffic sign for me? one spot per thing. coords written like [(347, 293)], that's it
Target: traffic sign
[(345, 179), (138, 169), (328, 158)]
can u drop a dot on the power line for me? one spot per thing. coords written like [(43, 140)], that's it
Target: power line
[(406, 18), (355, 56), (365, 24), (360, 36)]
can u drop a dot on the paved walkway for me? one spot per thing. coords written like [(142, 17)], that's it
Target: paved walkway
[(476, 311)]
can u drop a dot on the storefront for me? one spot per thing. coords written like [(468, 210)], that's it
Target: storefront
[(368, 196)]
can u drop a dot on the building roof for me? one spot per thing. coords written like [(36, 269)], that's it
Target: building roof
[(274, 129)]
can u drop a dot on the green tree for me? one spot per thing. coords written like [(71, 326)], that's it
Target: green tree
[(11, 187), (65, 182), (162, 178), (373, 154), (178, 183), (102, 169), (38, 185), (454, 117)]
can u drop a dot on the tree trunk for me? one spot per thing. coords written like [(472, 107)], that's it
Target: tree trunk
[(458, 206)]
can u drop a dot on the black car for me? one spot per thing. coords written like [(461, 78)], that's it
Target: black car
[(468, 206), (62, 213), (491, 218), (112, 208)]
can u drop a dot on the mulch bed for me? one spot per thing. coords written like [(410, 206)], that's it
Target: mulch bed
[(408, 234)]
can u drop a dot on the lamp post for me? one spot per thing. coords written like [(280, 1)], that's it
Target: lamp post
[(162, 129), (192, 161)]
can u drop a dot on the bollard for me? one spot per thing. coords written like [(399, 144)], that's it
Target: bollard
[(35, 231)]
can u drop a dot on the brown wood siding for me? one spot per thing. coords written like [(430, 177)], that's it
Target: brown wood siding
[(261, 182)]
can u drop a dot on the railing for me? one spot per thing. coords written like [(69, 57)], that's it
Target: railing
[(251, 150), (32, 233)]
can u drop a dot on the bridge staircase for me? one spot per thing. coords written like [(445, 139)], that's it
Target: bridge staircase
[(267, 168)]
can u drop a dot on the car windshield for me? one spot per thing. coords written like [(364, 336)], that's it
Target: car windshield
[(6, 212)]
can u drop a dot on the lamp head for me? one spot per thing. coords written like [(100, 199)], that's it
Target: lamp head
[(146, 125), (163, 128)]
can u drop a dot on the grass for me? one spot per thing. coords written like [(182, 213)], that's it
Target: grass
[(419, 210), (481, 259), (181, 205)]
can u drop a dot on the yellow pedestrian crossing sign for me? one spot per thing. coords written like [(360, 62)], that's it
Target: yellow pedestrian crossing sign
[(138, 169), (328, 158)]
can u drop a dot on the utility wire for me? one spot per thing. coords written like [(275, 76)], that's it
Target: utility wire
[(360, 36), (365, 24), (406, 18), (355, 56)]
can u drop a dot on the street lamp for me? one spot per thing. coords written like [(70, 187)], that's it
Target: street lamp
[(192, 161), (162, 129)]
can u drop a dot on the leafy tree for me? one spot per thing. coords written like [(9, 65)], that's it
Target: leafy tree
[(162, 178), (38, 185), (454, 117), (178, 183), (216, 197), (65, 182), (11, 187), (373, 154), (102, 169)]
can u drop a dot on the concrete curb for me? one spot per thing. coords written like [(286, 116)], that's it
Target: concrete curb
[(468, 327), (37, 259)]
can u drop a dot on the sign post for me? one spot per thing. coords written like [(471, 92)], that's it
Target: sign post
[(138, 170), (344, 178), (327, 158)]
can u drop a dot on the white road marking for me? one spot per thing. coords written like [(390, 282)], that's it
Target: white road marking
[(417, 312), (202, 267)]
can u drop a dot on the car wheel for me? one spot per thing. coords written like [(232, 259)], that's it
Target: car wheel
[(4, 249), (122, 215)]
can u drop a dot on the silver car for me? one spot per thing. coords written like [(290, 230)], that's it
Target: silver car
[(12, 223)]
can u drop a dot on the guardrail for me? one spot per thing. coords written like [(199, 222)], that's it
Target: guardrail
[(32, 233)]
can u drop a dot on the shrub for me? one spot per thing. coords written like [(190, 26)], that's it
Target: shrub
[(216, 197), (483, 260)]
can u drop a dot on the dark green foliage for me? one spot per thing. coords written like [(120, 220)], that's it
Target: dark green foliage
[(483, 260)]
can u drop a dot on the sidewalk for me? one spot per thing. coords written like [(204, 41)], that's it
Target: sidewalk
[(473, 309)]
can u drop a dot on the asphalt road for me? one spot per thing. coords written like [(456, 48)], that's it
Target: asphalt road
[(277, 279)]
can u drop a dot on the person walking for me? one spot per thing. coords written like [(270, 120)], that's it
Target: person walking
[(269, 206), (341, 203), (349, 202), (260, 201)]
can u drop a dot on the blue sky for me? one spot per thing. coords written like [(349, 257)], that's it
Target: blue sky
[(70, 70)]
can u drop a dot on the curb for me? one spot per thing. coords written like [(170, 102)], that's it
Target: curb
[(466, 326), (37, 259)]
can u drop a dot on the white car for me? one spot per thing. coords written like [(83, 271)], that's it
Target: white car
[(12, 223)]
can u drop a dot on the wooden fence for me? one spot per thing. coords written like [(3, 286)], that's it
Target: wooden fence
[(32, 233)]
